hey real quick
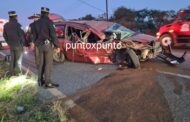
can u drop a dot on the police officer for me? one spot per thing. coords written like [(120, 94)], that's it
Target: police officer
[(30, 37), (45, 39), (14, 36)]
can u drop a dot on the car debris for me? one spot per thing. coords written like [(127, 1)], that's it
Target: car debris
[(135, 47), (20, 109), (100, 68), (169, 58)]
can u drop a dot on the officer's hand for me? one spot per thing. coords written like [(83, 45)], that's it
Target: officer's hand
[(31, 45), (57, 50)]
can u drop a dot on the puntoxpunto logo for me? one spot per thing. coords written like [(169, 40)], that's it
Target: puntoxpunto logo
[(96, 46)]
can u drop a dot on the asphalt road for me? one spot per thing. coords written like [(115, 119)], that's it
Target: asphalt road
[(72, 77), (174, 80), (156, 92)]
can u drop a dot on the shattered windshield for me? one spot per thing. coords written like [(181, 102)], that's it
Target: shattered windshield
[(121, 31)]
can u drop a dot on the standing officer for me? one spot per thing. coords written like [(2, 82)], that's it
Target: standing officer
[(45, 39), (14, 36), (30, 37)]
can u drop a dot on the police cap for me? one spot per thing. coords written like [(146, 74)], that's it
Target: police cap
[(12, 13), (44, 9), (34, 16)]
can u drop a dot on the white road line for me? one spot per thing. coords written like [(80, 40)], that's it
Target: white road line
[(175, 74), (55, 92)]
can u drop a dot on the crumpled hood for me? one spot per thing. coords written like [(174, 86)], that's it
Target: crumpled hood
[(143, 38)]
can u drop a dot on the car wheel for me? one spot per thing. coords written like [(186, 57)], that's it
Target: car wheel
[(58, 57), (132, 59), (166, 40)]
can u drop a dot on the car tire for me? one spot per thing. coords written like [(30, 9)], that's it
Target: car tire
[(58, 57), (166, 40), (132, 59)]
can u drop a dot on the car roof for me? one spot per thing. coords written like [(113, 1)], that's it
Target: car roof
[(100, 26), (97, 27), (56, 18), (185, 11)]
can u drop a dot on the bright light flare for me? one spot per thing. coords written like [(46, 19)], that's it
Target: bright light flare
[(25, 52), (171, 31), (19, 80)]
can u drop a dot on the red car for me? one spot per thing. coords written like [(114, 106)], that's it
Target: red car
[(135, 47), (3, 44), (176, 33)]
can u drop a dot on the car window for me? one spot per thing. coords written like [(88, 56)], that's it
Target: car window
[(186, 16), (121, 31), (83, 36), (60, 31)]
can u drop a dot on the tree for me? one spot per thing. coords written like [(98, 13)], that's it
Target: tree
[(145, 20), (141, 19), (188, 7), (124, 13), (88, 17), (125, 17)]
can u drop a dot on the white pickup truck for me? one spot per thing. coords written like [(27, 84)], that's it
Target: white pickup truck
[(3, 44)]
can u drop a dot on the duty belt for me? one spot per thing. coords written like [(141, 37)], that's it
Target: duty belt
[(46, 42)]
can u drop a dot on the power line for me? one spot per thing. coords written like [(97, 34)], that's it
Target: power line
[(86, 3)]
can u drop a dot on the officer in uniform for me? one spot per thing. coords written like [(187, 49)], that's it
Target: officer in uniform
[(45, 39), (30, 37), (14, 36)]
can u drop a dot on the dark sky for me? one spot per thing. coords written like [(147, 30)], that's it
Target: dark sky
[(71, 9)]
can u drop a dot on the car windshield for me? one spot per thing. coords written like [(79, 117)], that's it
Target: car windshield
[(120, 31), (186, 16)]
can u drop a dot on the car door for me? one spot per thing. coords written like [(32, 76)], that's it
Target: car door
[(184, 23), (74, 51), (96, 51)]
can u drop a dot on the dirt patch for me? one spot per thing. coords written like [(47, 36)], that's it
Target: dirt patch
[(124, 96)]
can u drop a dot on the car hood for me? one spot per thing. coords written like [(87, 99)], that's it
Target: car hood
[(143, 38)]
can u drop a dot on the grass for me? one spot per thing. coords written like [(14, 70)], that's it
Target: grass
[(23, 91)]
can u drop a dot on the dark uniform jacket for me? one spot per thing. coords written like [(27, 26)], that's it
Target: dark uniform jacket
[(44, 29), (29, 35), (13, 34)]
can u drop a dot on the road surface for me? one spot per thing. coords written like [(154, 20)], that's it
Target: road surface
[(77, 79)]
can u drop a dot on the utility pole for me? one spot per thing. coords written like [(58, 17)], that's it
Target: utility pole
[(107, 14)]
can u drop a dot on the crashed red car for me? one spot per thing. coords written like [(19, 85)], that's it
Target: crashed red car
[(178, 32), (135, 47)]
